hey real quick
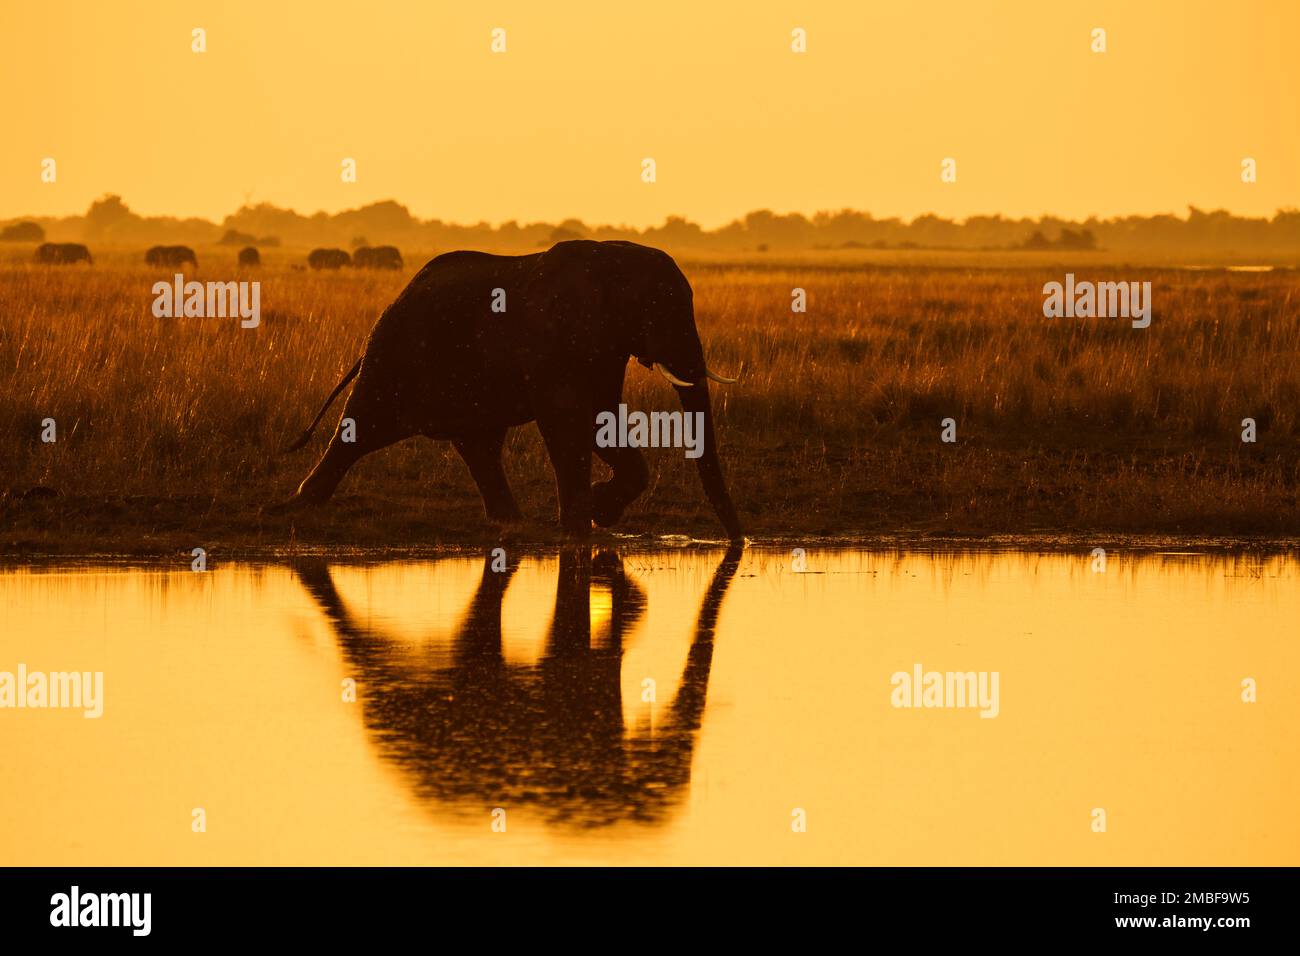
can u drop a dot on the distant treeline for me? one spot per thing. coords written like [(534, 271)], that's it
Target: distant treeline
[(109, 221)]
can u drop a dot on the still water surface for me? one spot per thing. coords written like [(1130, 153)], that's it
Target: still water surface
[(684, 706)]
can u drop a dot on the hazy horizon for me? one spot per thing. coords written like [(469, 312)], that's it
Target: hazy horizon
[(809, 214), (111, 221)]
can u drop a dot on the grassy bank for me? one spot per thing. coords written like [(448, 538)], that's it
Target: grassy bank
[(169, 430)]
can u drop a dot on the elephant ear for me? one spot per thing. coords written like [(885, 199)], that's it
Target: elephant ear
[(564, 323)]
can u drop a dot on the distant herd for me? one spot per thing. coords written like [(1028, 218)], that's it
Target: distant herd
[(366, 257), (379, 257), (62, 252)]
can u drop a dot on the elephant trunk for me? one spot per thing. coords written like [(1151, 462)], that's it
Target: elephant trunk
[(695, 398)]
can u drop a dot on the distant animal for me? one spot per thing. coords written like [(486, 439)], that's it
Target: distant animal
[(444, 363), (250, 257), (328, 259), (377, 257), (62, 253), (170, 256)]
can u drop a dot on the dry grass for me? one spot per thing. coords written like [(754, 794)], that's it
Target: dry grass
[(169, 430)]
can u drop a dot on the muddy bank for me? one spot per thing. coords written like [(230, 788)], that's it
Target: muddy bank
[(366, 527)]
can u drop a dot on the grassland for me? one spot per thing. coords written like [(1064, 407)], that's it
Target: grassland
[(169, 430)]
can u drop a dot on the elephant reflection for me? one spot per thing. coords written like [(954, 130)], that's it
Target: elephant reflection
[(482, 733)]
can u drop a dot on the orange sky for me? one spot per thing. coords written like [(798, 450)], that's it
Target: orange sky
[(558, 125)]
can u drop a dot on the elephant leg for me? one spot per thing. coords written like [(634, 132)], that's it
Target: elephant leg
[(372, 434), (567, 434), (482, 454), (631, 476)]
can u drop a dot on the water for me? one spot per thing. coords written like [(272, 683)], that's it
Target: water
[(526, 692)]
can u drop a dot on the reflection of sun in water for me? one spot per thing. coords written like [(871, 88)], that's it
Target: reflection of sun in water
[(601, 601)]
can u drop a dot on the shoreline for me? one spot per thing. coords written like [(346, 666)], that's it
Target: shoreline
[(903, 540)]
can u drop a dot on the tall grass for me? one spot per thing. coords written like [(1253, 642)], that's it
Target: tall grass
[(834, 427)]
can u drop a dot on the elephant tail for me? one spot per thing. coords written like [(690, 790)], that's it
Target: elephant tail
[(302, 439)]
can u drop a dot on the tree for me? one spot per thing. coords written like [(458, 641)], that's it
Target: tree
[(22, 232), (105, 213)]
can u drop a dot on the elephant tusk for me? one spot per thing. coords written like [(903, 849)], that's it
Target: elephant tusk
[(718, 378), (672, 379)]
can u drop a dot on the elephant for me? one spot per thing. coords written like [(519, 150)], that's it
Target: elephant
[(62, 253), (477, 344), (170, 256), (475, 730), (377, 257), (328, 259), (249, 256)]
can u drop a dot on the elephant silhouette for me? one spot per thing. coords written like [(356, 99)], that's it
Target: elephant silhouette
[(482, 733), (443, 362), (328, 259), (62, 253), (377, 257), (170, 256)]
